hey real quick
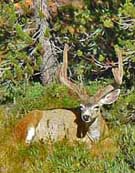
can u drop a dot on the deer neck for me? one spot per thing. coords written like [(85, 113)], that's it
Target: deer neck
[(94, 130)]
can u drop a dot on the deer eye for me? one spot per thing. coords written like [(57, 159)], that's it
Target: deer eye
[(96, 107)]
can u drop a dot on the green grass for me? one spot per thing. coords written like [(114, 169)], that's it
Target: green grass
[(65, 157)]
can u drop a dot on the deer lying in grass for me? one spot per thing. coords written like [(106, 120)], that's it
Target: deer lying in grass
[(85, 123)]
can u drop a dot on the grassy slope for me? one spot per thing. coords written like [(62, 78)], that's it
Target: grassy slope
[(113, 155)]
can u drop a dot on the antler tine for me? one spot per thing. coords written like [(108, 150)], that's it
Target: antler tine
[(78, 89), (118, 72), (118, 75), (65, 61)]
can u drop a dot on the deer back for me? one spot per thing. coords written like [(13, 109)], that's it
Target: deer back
[(56, 124)]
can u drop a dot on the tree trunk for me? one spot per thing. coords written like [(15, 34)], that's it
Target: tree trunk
[(49, 61)]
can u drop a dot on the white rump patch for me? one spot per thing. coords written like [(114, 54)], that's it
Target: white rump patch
[(30, 135)]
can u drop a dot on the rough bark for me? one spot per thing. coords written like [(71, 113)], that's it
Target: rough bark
[(49, 59), (49, 9)]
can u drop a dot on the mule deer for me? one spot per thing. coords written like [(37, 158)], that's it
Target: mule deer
[(86, 123)]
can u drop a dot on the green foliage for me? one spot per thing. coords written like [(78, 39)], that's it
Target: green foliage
[(17, 63), (68, 158), (34, 91), (63, 156), (127, 143), (37, 96), (123, 110), (108, 23), (128, 9), (94, 31)]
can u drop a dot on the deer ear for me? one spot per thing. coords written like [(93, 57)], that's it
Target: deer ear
[(110, 98)]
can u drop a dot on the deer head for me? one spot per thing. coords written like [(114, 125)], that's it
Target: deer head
[(107, 95), (89, 112)]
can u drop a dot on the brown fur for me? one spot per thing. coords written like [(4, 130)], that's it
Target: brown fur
[(73, 128), (104, 127), (31, 119)]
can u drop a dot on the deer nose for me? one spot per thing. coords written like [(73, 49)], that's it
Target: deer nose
[(86, 117)]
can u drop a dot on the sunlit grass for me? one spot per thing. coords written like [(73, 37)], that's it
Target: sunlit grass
[(58, 158), (114, 154)]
